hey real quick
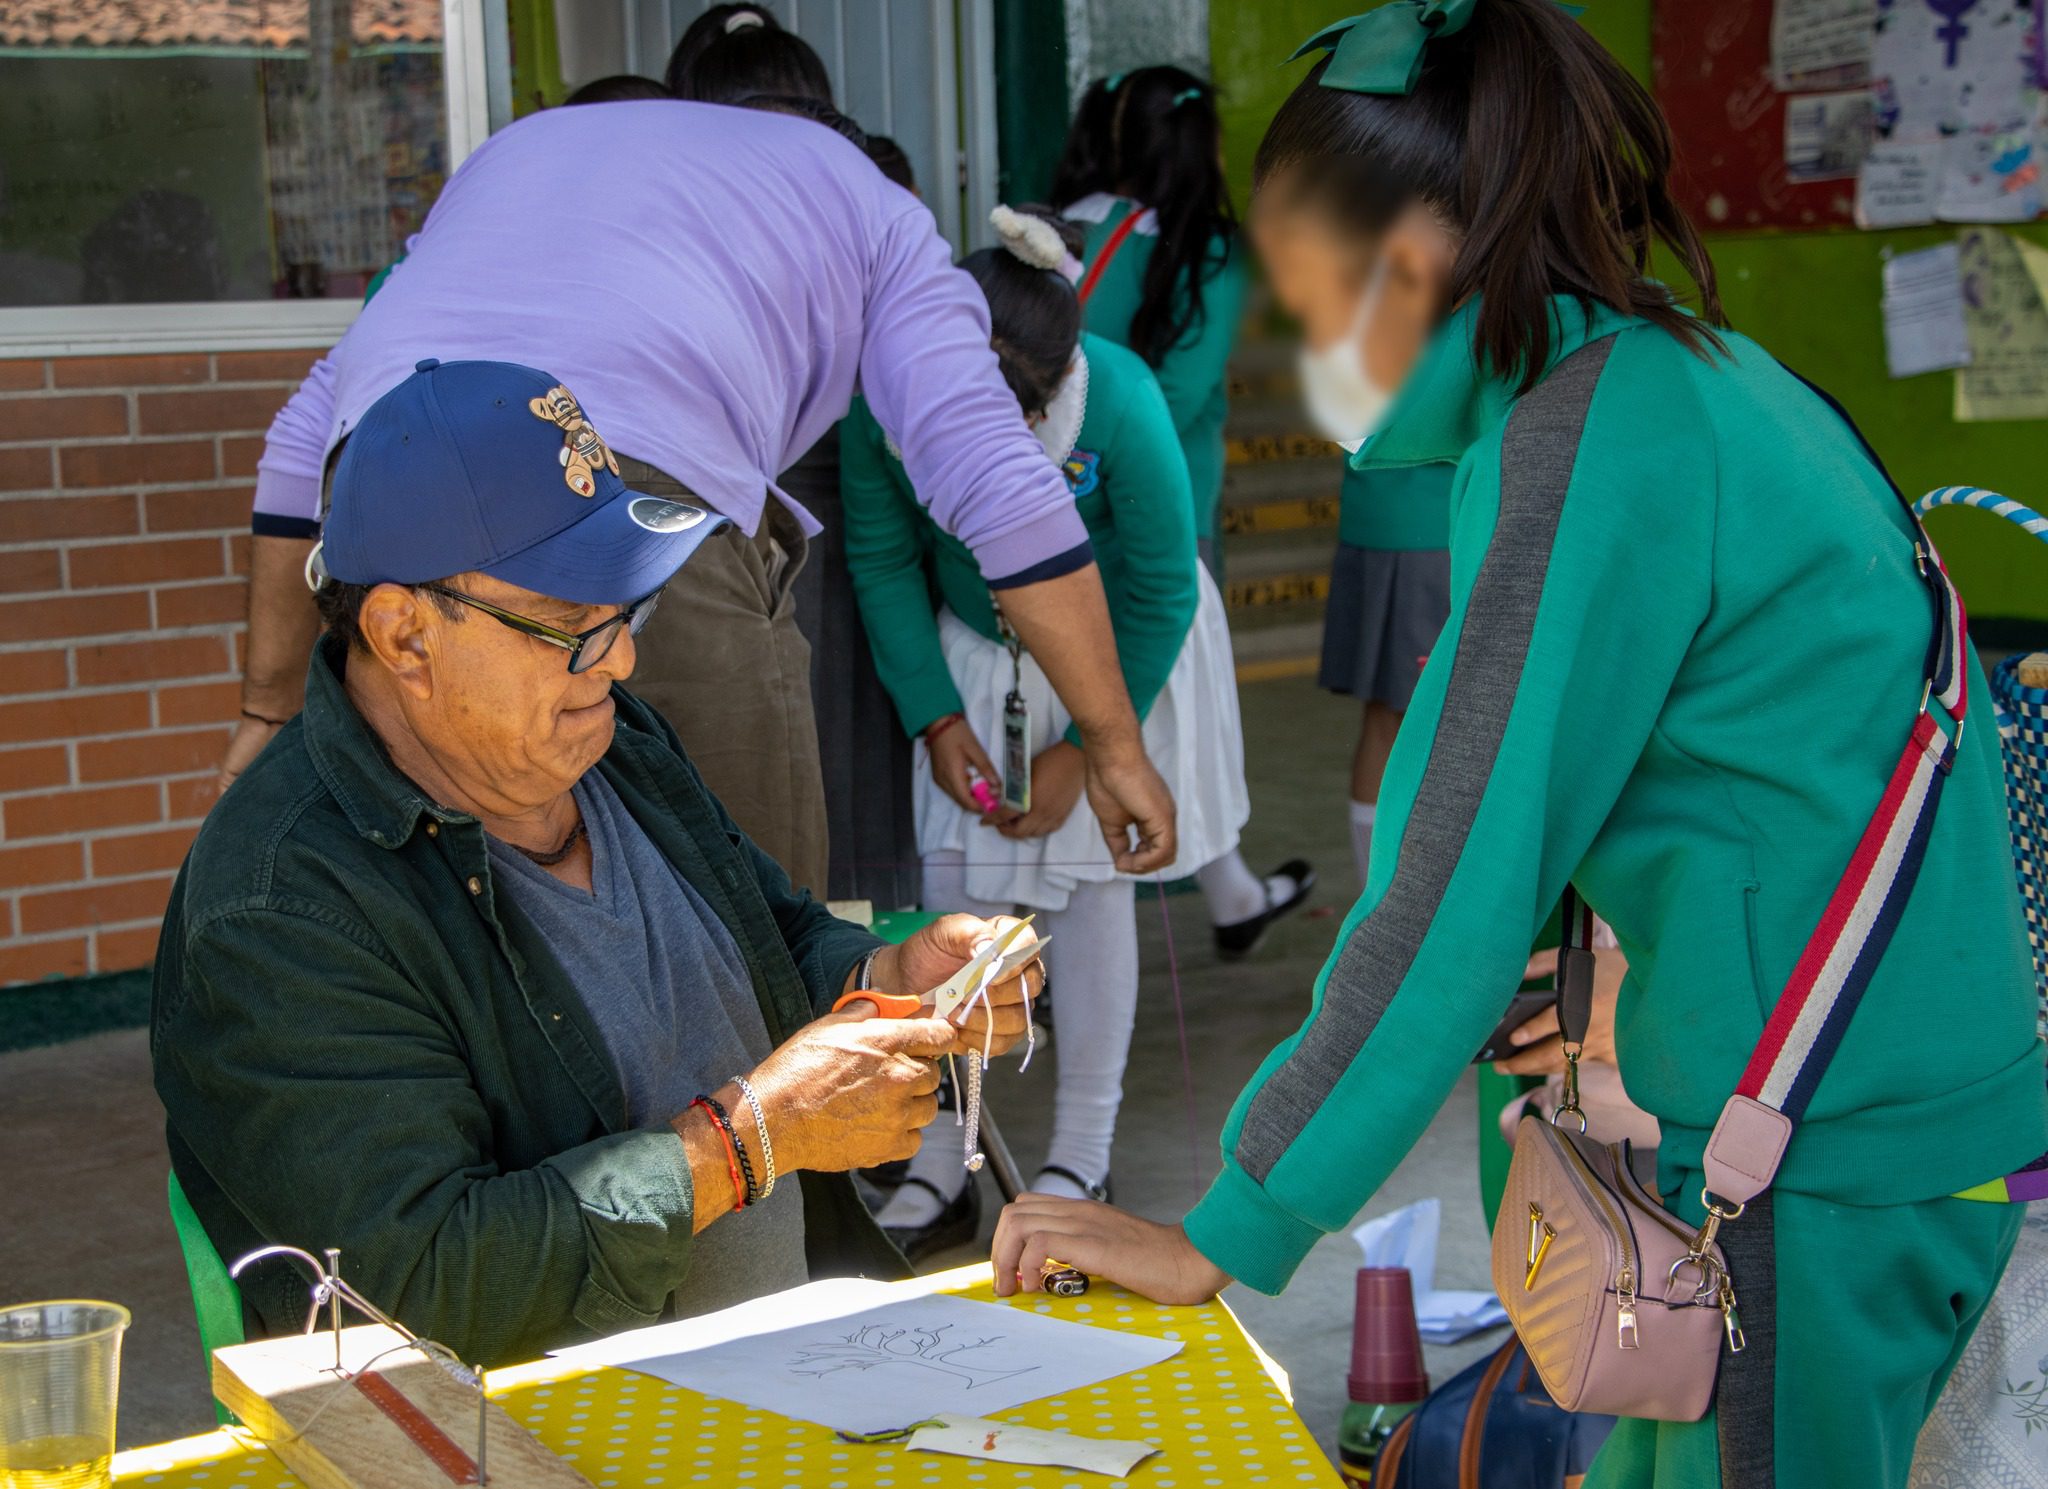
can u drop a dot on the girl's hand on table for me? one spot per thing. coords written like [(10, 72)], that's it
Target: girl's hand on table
[(1157, 1261), (1058, 772)]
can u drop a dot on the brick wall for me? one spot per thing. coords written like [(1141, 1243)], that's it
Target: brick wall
[(124, 542)]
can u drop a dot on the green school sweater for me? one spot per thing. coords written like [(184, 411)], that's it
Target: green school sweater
[(1685, 649), (1402, 507), (1130, 486), (1194, 375)]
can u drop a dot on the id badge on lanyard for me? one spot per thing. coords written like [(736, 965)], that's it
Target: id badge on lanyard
[(1016, 726)]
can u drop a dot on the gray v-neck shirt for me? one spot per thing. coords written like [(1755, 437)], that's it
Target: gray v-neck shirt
[(669, 992)]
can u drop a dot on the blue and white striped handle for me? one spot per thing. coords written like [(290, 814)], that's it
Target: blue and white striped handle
[(2025, 518)]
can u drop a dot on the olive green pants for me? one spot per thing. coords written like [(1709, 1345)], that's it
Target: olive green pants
[(722, 660), (1855, 1317)]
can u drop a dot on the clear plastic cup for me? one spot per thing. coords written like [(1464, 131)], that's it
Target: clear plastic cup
[(60, 1372)]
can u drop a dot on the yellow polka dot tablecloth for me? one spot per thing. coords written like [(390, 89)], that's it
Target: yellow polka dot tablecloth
[(1216, 1411)]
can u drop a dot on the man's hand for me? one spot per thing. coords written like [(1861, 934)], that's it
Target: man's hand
[(1065, 626), (1125, 791), (1156, 1260), (247, 742), (851, 1090), (1540, 1049), (942, 948), (1057, 774), (955, 750)]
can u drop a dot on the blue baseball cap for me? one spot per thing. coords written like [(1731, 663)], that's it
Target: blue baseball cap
[(494, 467)]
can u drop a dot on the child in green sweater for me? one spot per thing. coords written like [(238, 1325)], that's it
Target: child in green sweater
[(1099, 414), (1142, 173), (1689, 633), (1390, 593)]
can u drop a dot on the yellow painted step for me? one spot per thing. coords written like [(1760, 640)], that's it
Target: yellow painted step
[(1276, 589), (1278, 517), (1264, 449)]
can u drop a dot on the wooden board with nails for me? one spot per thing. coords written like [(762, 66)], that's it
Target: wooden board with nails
[(408, 1424)]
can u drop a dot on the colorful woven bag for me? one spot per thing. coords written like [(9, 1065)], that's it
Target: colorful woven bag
[(2022, 714)]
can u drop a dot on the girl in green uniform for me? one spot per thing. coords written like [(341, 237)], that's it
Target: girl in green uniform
[(1099, 413), (1164, 274), (1143, 176), (1687, 637), (1390, 590)]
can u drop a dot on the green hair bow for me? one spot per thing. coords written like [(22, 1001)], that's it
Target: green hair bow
[(1381, 50)]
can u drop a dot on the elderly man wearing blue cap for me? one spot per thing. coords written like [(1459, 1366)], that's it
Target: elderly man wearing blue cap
[(470, 977)]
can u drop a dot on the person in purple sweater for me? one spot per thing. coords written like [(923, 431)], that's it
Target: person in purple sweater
[(715, 283)]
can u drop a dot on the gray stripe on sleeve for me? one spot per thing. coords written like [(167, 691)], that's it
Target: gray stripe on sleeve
[(1539, 448)]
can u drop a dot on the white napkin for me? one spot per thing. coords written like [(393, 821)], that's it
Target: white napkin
[(1001, 1442)]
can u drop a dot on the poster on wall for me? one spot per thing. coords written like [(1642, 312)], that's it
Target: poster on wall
[(1882, 113), (1958, 113), (2005, 314), (1715, 70), (1818, 45)]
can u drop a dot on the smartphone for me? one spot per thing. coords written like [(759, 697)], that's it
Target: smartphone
[(1526, 1005)]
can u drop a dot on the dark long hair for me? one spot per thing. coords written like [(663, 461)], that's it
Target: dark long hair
[(1034, 317), (1534, 145), (620, 87), (1164, 137), (1086, 163), (714, 65)]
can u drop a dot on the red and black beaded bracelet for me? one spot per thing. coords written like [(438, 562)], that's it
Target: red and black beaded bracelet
[(752, 1194), (735, 1155)]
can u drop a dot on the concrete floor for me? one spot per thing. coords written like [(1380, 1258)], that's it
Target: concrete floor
[(82, 1162)]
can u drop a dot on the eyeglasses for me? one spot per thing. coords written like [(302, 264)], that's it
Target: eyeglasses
[(586, 648)]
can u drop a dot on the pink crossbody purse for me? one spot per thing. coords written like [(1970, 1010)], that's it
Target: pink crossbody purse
[(1623, 1307)]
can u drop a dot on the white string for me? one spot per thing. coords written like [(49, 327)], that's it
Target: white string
[(970, 1114)]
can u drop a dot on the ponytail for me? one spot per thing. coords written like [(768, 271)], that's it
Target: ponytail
[(1034, 317), (1164, 145), (1085, 166), (732, 52), (1525, 138)]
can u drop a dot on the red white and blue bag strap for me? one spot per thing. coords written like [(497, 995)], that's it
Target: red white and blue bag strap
[(1833, 972), (1820, 997)]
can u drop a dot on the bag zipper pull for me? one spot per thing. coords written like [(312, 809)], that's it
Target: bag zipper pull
[(1625, 1322), (1730, 1319)]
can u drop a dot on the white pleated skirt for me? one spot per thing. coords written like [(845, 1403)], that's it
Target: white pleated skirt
[(1193, 735)]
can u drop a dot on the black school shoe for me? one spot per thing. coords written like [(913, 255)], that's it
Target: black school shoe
[(1240, 940), (1103, 1193), (955, 1225)]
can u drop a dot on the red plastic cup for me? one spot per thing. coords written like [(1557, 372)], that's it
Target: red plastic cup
[(1386, 1348)]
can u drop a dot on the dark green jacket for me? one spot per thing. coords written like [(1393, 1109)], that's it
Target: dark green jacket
[(358, 1046)]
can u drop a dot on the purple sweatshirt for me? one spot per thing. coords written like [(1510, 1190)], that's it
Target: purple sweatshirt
[(711, 283)]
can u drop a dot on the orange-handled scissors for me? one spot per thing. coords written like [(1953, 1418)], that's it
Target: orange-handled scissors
[(955, 990)]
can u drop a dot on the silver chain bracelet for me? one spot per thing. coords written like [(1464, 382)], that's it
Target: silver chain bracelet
[(760, 1126)]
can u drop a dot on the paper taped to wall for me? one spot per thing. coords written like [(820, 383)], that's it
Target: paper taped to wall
[(1923, 311), (2005, 309)]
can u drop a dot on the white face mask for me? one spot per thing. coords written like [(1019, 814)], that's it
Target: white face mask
[(1344, 403)]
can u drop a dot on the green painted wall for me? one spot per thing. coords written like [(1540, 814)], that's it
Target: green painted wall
[(1812, 298)]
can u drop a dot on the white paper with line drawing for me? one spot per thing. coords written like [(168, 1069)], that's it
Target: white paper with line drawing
[(862, 1357)]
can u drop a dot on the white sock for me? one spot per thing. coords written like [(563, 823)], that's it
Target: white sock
[(1234, 893), (941, 1162), (1058, 1185), (1093, 961), (1361, 836)]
